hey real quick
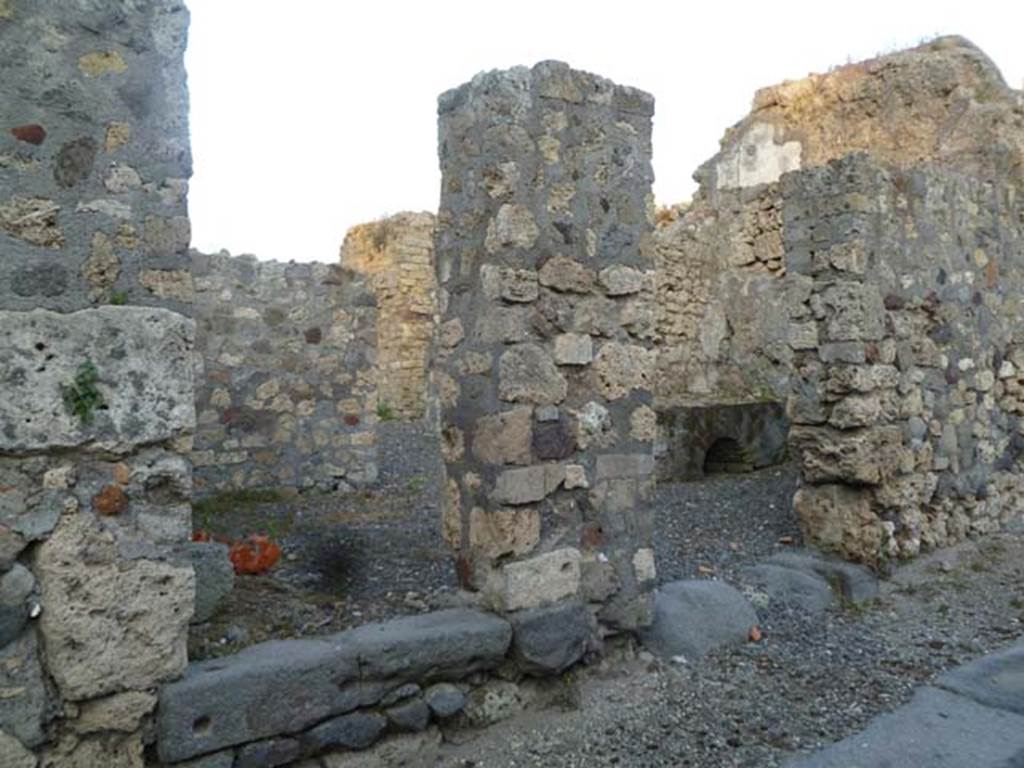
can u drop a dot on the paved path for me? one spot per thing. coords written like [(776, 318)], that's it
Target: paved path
[(970, 717)]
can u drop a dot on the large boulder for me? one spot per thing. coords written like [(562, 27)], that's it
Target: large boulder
[(693, 618)]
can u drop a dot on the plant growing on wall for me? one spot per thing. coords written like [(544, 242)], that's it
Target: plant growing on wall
[(81, 397)]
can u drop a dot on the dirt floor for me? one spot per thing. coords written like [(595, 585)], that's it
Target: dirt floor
[(349, 559)]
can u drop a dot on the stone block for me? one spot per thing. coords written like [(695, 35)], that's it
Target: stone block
[(143, 364), (573, 349), (539, 580), (16, 587), (550, 639), (567, 275), (799, 589), (24, 707), (215, 577), (504, 438), (693, 618), (528, 484), (410, 715), (354, 731), (994, 680), (527, 374), (624, 465), (109, 625), (504, 531), (269, 753), (620, 280), (286, 686), (855, 583), (444, 699)]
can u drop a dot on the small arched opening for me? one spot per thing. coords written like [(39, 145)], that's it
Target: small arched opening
[(726, 455)]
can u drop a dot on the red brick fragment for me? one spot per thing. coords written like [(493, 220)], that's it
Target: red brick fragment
[(111, 500), (32, 133)]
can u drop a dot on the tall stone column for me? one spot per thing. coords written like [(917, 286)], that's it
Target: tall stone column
[(544, 364)]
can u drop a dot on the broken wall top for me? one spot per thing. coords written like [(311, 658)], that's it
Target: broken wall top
[(944, 101)]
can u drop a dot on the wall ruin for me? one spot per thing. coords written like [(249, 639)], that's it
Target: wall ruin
[(544, 368), (723, 289), (907, 409), (97, 416), (397, 254), (286, 390)]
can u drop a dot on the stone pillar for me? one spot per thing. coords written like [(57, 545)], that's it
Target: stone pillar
[(96, 410), (544, 366)]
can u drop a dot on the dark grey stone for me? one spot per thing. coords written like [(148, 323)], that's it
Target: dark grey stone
[(15, 588), (550, 639), (215, 577), (400, 693), (553, 440), (411, 715), (805, 591), (995, 680), (287, 686), (692, 618), (225, 759), (355, 731), (855, 583), (444, 699), (23, 715), (268, 754), (937, 729)]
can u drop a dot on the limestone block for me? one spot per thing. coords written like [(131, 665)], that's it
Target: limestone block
[(121, 712), (527, 485), (537, 581), (109, 750), (573, 349), (504, 531), (567, 275), (143, 363), (620, 368), (512, 227), (839, 519), (109, 625), (527, 374), (620, 280), (505, 437)]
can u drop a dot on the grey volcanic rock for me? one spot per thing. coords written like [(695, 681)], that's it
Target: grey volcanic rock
[(550, 639), (798, 589), (692, 618), (286, 686), (215, 577), (855, 583), (996, 680)]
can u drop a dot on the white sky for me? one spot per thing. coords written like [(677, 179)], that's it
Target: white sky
[(309, 116)]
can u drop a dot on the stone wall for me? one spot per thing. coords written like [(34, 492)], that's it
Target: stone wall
[(544, 365), (286, 382), (906, 399), (723, 293), (397, 253), (281, 702), (97, 413)]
